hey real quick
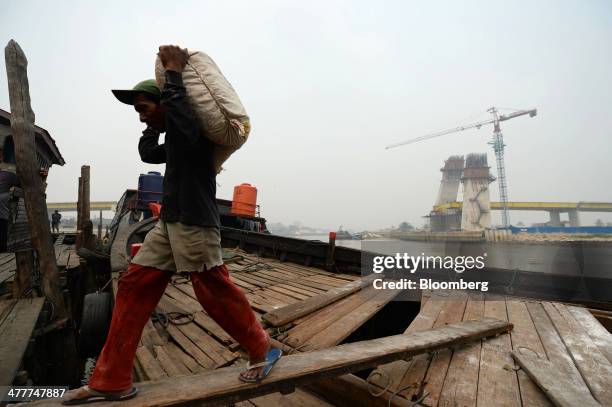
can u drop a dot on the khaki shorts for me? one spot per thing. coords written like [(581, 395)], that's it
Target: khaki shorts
[(174, 246)]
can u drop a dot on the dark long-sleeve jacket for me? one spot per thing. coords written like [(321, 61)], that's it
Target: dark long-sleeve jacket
[(190, 178)]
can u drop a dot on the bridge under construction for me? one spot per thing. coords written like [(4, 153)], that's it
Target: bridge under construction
[(473, 213)]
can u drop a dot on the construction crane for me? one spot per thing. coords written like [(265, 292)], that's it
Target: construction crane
[(498, 147)]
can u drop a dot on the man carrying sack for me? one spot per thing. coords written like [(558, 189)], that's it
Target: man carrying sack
[(186, 239)]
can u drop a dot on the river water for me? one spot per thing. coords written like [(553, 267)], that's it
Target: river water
[(571, 261)]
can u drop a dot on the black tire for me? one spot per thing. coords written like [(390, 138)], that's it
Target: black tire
[(95, 322)]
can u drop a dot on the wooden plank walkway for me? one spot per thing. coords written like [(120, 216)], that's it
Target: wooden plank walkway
[(17, 321), (223, 386), (566, 337)]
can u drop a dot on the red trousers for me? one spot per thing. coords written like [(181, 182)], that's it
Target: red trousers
[(140, 289)]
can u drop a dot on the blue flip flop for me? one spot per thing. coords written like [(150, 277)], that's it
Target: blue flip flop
[(272, 357)]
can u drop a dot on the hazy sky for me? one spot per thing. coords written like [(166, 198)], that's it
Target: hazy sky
[(327, 85)]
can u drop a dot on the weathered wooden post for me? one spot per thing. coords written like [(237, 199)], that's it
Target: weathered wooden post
[(83, 208), (100, 226), (79, 220), (23, 275), (22, 127)]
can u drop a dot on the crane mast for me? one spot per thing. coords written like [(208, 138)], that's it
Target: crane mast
[(498, 148)]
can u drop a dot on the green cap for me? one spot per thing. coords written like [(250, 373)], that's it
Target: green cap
[(127, 96)]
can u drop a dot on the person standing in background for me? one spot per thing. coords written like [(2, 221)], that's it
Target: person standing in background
[(56, 218)]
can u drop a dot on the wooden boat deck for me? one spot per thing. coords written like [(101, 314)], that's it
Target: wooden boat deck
[(170, 350), (484, 373), (202, 344)]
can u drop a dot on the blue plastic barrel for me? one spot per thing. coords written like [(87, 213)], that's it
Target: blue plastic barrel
[(150, 187)]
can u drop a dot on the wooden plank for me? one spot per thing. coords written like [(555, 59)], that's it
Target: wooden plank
[(302, 333), (223, 386), (525, 338), (599, 335), (289, 313), (425, 378), (6, 275), (261, 279), (15, 332), (562, 391), (7, 270), (260, 304), (210, 326), (292, 268), (289, 293), (139, 373), (184, 300), (299, 398), (265, 304), (297, 290), (282, 274), (184, 287), (269, 276), (336, 282), (591, 363), (171, 366), (186, 360), (312, 290), (308, 292), (190, 348), (497, 384), (150, 337), (5, 308), (243, 284), (461, 382), (213, 349), (553, 345), (277, 295), (343, 327), (149, 364), (315, 285), (5, 257), (252, 280)]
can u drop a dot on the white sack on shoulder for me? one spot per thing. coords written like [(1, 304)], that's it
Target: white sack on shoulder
[(220, 114)]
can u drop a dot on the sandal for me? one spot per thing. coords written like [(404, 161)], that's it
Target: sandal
[(96, 396), (272, 357)]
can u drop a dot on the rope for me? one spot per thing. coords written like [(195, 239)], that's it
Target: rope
[(375, 373), (174, 318), (383, 374), (258, 265), (529, 349)]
